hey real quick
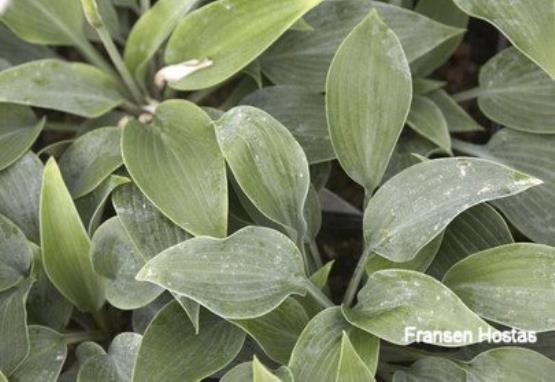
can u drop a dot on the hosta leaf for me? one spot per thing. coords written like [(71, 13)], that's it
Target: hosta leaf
[(3, 377), (46, 22), (533, 212), (117, 259), (45, 304), (150, 231), (269, 165), (528, 24), (54, 84), (426, 118), (478, 228), (91, 206), (312, 213), (277, 331), (14, 346), (303, 58), (261, 374), (319, 279), (510, 284), (143, 316), (171, 351), (416, 205), (516, 93), (458, 121), (83, 352), (176, 162), (19, 129), (239, 373), (115, 366), (393, 300), (403, 156), (65, 244), (511, 364), (351, 366), (90, 159), (420, 262), (247, 371), (423, 86), (364, 128), (431, 369), (20, 194), (15, 254), (445, 12), (46, 356), (246, 275), (17, 51), (303, 112), (150, 32), (55, 149), (317, 354), (225, 40)]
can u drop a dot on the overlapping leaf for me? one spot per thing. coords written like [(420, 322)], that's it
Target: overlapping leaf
[(19, 129), (54, 84), (528, 24), (427, 119), (15, 254), (317, 354), (65, 244), (267, 162), (115, 366), (458, 120), (412, 208), (510, 284), (303, 58), (217, 32), (246, 275), (478, 228), (150, 31), (46, 22), (277, 331), (176, 162), (368, 97), (117, 259), (300, 110), (516, 93), (171, 351), (90, 159), (532, 212), (393, 301), (47, 355)]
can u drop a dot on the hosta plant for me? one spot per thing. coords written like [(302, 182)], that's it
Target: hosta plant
[(165, 175)]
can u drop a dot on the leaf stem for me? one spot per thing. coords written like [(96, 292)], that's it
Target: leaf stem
[(357, 277), (315, 254), (78, 337), (469, 94), (102, 320), (318, 295), (116, 58), (470, 148), (92, 55)]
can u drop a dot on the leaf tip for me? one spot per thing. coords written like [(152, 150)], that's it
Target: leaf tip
[(526, 181)]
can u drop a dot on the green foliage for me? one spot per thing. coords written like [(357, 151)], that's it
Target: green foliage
[(164, 170)]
